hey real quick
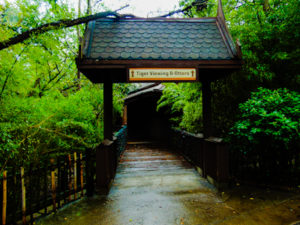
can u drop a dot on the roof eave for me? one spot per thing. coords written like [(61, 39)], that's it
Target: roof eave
[(119, 64)]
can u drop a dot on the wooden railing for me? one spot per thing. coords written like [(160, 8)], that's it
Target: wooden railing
[(210, 155), (107, 158), (42, 187)]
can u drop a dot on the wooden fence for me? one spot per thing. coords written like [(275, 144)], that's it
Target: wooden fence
[(210, 155), (221, 165), (41, 188)]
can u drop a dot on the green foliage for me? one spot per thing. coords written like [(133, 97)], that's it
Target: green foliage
[(270, 119), (45, 107), (183, 102), (269, 37), (269, 31), (32, 126)]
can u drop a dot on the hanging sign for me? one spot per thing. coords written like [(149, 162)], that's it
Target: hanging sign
[(162, 74)]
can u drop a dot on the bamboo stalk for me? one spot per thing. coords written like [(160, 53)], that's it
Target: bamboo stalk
[(81, 174), (53, 186), (23, 196), (70, 177), (75, 175), (4, 197)]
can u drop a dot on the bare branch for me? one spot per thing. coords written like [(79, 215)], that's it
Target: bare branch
[(9, 73), (200, 4)]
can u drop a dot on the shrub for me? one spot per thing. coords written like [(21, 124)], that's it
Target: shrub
[(267, 133), (31, 127)]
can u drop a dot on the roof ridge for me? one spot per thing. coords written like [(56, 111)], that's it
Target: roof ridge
[(161, 19)]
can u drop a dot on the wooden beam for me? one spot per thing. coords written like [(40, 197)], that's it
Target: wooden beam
[(206, 104), (220, 12), (124, 115), (113, 63), (108, 107)]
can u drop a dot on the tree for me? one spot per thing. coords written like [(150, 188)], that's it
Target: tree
[(65, 23), (269, 33), (54, 26), (42, 110)]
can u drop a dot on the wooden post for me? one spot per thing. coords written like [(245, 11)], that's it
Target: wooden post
[(70, 177), (104, 168), (53, 186), (206, 104), (4, 203), (45, 187), (31, 200), (15, 189), (89, 173), (75, 175), (23, 196), (65, 179), (81, 174), (108, 106), (124, 115), (58, 189)]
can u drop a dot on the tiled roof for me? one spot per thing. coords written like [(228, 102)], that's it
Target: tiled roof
[(154, 88), (157, 39)]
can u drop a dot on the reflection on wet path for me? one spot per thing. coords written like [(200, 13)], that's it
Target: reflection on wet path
[(155, 186)]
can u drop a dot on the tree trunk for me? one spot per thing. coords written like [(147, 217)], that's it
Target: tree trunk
[(266, 5)]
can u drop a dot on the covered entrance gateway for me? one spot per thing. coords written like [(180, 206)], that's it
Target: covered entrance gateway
[(157, 49)]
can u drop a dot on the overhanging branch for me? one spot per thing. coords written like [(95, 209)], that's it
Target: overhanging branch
[(58, 25), (199, 4)]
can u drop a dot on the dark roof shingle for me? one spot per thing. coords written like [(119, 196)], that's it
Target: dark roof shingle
[(134, 39)]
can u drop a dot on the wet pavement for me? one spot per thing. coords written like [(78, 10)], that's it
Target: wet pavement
[(154, 186)]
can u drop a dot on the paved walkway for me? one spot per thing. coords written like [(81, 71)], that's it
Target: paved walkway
[(156, 187)]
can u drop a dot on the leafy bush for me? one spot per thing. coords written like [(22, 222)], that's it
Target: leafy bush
[(31, 127), (183, 102), (267, 133)]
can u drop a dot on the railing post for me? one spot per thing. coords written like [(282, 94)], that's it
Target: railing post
[(216, 161), (45, 192), (58, 189), (53, 185), (4, 203), (75, 175), (104, 170), (70, 177), (81, 174), (30, 199), (89, 173), (23, 196)]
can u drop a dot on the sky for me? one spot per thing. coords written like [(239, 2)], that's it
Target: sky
[(144, 8), (140, 8)]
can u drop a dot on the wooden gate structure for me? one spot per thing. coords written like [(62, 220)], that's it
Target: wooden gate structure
[(156, 50)]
